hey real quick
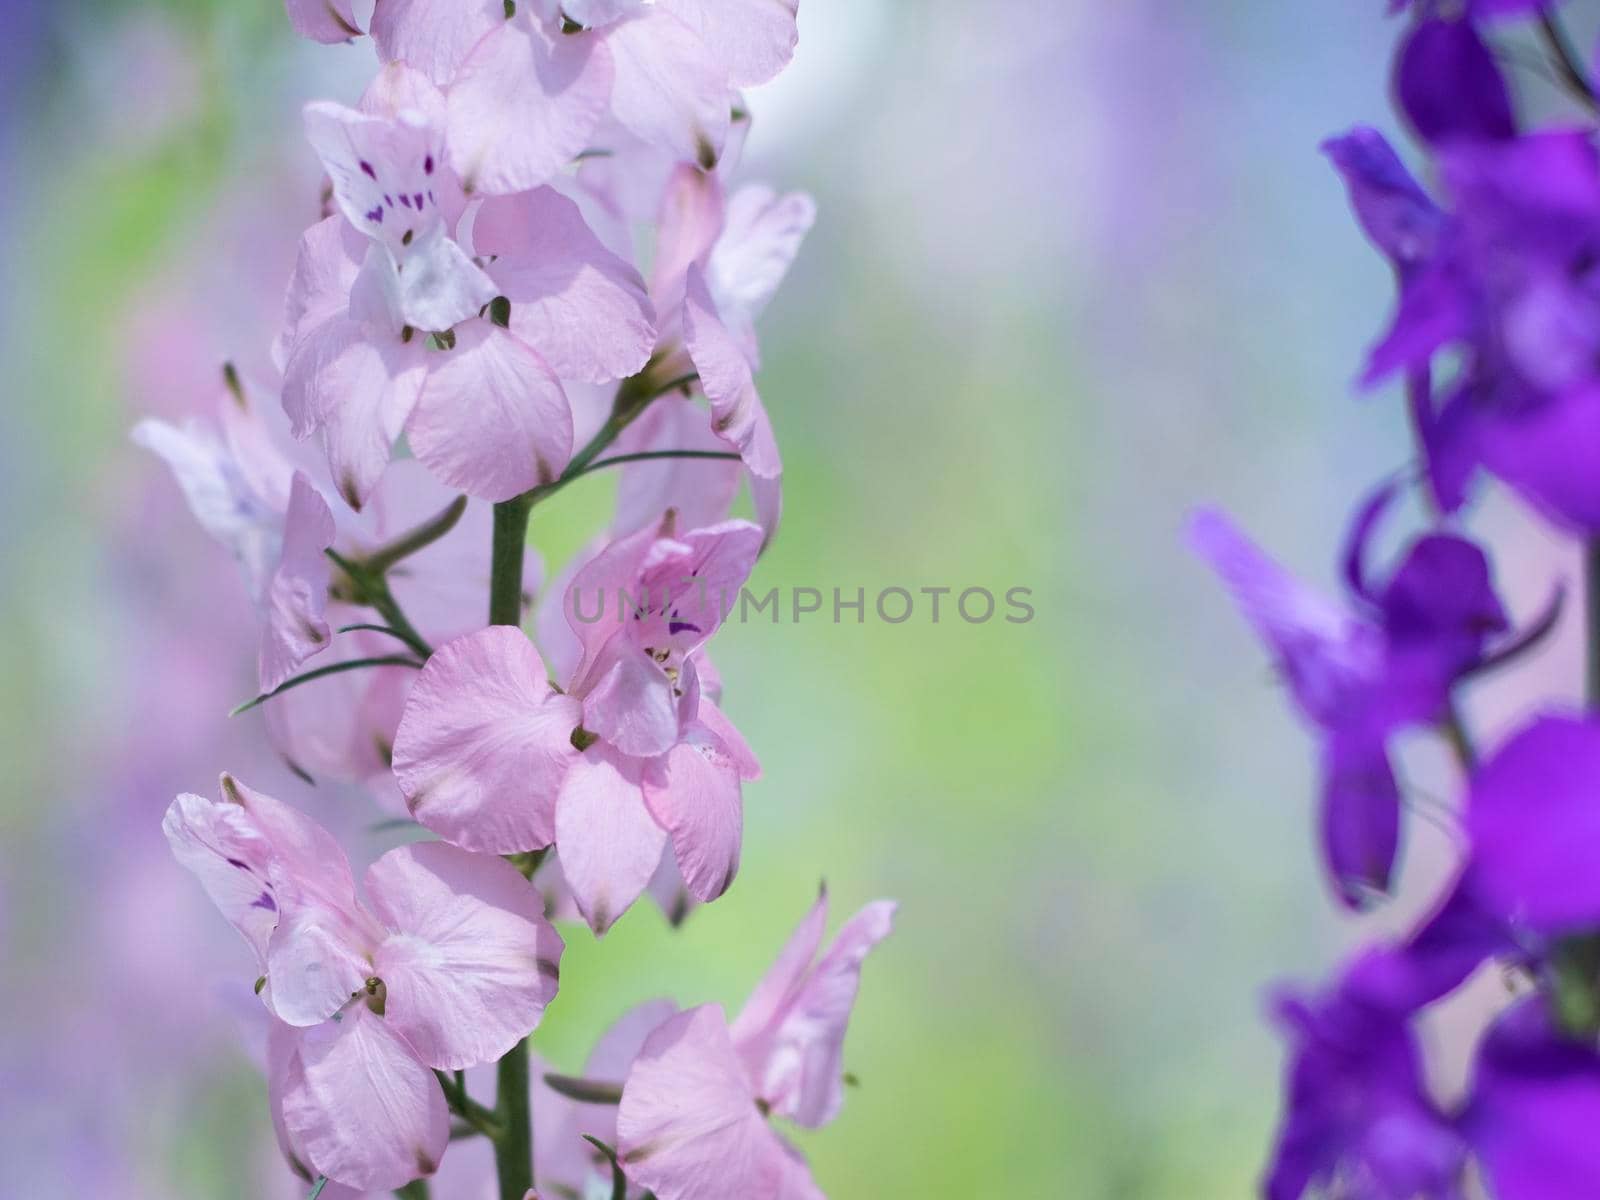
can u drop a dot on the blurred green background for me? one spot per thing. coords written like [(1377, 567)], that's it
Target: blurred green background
[(1078, 267)]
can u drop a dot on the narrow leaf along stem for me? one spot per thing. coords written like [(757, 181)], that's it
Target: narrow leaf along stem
[(354, 664)]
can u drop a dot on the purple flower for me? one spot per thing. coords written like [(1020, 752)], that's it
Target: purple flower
[(1508, 279), (1357, 1113), (1534, 1109), (1359, 673), (1534, 822), (1448, 84)]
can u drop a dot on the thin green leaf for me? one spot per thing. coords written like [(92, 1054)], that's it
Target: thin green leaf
[(316, 1189), (619, 1182), (355, 664)]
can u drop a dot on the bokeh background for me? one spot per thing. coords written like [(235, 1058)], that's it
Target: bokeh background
[(1078, 268)]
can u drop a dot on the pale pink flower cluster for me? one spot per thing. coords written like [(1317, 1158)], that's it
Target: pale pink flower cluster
[(531, 258)]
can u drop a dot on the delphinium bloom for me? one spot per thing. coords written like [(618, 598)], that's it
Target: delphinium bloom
[(1494, 337), (468, 317), (484, 407), (627, 754), (532, 85), (246, 485), (1505, 280), (1357, 1116), (694, 1118), (718, 262), (1360, 1120), (449, 963), (1360, 672)]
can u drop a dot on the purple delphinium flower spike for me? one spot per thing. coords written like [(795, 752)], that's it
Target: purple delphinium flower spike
[(1356, 1113), (1361, 673)]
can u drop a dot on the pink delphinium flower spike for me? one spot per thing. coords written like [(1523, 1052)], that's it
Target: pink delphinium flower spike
[(693, 1122)]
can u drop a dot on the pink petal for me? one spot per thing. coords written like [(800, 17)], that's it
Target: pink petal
[(687, 227), (612, 1056), (523, 105), (753, 39), (692, 588), (670, 893), (222, 847), (305, 857), (593, 604), (433, 286), (581, 306), (669, 91), (771, 996), (492, 419), (767, 497), (794, 1179), (609, 845), (317, 959), (629, 701), (381, 168), (687, 1127), (694, 794), (799, 1060), (435, 36), (359, 390), (485, 743), (759, 242), (251, 850), (297, 597), (700, 490), (325, 269), (737, 415), (552, 631), (471, 962), (225, 502), (326, 21), (367, 1112), (609, 1062), (594, 14), (402, 90)]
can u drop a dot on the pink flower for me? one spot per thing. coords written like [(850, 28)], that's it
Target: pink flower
[(450, 963), (629, 755), (484, 409), (693, 1120), (527, 94), (246, 491), (270, 517), (718, 262)]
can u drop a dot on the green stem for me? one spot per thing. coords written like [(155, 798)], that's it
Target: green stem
[(419, 538), (370, 588), (513, 1153), (513, 1149), (505, 567), (633, 397), (513, 1117), (482, 1120), (417, 1189)]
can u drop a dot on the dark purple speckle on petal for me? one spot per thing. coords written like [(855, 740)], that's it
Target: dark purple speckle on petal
[(405, 199), (265, 901), (367, 167), (675, 627), (427, 165), (376, 216), (418, 199)]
